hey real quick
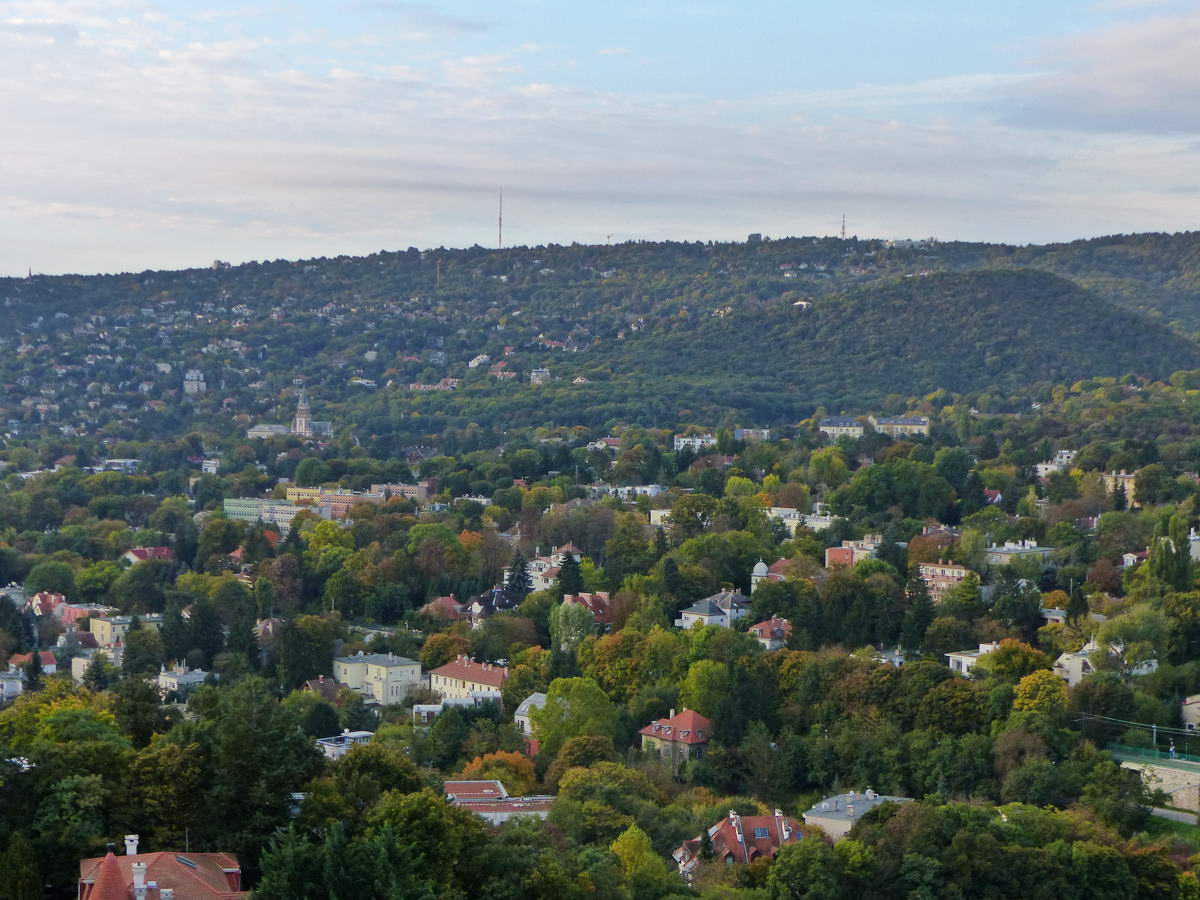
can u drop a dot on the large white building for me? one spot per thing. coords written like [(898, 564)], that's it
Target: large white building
[(383, 678)]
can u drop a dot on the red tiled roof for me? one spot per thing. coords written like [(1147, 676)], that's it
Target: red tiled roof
[(23, 659), (193, 876), (110, 884), (761, 836), (465, 669), (687, 727), (599, 604), (774, 628)]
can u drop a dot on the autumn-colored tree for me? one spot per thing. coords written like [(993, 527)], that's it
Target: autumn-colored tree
[(439, 649), (513, 770), (1042, 692), (1012, 660)]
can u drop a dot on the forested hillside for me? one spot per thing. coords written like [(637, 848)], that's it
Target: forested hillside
[(961, 332), (657, 334)]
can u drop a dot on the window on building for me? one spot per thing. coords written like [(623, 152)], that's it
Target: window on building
[(761, 833)]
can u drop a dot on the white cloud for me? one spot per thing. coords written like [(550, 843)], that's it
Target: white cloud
[(1137, 77), (136, 144)]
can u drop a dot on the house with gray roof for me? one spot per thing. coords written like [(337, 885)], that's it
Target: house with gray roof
[(721, 609), (836, 815)]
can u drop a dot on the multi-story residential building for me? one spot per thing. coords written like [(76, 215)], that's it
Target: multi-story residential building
[(422, 490), (539, 376), (338, 502), (841, 426), (193, 382), (276, 513), (1122, 481), (852, 552), (678, 737), (112, 629), (694, 441), (900, 426), (382, 678), (1011, 551), (462, 676), (1061, 462), (940, 577)]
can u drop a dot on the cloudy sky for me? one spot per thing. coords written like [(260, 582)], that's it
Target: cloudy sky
[(146, 134)]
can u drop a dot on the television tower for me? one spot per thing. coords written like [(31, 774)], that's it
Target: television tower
[(500, 223), (843, 226)]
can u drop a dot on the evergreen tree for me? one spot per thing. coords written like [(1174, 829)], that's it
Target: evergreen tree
[(33, 671), (1120, 500), (518, 581), (1078, 607), (20, 878), (672, 580), (570, 576), (919, 615), (1170, 555)]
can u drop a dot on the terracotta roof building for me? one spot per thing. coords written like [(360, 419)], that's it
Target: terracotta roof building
[(740, 839), (679, 737), (459, 677), (773, 634), (142, 554), (160, 876)]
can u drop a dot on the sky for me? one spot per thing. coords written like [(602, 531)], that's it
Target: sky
[(139, 135)]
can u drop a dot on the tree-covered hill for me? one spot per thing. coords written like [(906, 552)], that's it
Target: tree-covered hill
[(650, 333), (962, 332)]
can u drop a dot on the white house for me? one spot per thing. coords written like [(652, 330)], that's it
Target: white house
[(521, 717), (721, 609), (338, 746), (694, 441), (963, 661)]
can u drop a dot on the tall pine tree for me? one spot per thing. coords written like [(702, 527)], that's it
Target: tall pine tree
[(570, 575), (919, 615), (518, 581)]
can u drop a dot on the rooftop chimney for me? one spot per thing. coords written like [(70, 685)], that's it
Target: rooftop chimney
[(139, 880), (672, 715), (131, 844), (166, 894)]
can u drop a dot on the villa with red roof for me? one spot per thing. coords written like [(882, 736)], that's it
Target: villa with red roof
[(599, 604), (160, 876), (740, 839), (19, 660), (773, 634), (679, 737)]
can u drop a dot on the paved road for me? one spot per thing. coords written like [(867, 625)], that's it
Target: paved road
[(1175, 815)]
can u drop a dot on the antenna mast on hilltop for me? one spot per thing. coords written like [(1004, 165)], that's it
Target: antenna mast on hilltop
[(500, 223), (843, 226)]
